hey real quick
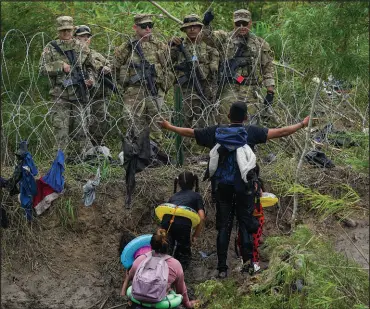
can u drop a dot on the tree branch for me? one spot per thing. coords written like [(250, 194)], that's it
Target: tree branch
[(299, 166), (287, 67), (165, 12)]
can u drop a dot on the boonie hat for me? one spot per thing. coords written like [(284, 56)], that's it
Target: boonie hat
[(242, 15), (65, 23), (142, 19), (191, 20)]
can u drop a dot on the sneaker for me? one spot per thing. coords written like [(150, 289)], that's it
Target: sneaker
[(222, 274), (256, 267)]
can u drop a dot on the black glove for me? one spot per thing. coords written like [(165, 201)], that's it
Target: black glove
[(269, 98), (208, 17)]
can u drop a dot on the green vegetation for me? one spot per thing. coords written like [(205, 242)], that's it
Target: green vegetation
[(304, 272), (326, 205), (311, 40)]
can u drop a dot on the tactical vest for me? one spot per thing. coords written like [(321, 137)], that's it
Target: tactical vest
[(150, 50), (58, 89), (200, 56), (250, 57)]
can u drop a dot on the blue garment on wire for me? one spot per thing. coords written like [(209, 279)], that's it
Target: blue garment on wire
[(27, 184), (54, 177)]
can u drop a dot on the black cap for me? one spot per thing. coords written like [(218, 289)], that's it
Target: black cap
[(238, 111)]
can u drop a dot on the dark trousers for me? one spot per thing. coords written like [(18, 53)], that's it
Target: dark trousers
[(228, 203), (179, 241)]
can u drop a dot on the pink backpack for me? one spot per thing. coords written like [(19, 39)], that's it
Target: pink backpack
[(151, 279)]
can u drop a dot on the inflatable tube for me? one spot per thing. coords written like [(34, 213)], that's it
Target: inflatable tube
[(268, 199), (181, 211), (127, 256), (172, 300), (142, 251)]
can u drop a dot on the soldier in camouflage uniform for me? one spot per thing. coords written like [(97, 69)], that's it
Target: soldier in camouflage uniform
[(69, 115), (98, 122), (141, 105), (195, 63), (254, 59)]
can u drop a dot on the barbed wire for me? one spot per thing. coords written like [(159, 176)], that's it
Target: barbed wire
[(27, 113)]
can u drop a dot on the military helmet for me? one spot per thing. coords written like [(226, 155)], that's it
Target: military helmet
[(65, 23), (83, 29), (242, 15), (142, 19), (191, 20)]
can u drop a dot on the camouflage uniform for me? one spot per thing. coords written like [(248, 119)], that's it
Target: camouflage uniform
[(69, 115), (98, 122), (256, 52), (140, 107), (195, 106)]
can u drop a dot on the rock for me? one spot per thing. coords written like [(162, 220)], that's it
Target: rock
[(355, 237), (349, 222)]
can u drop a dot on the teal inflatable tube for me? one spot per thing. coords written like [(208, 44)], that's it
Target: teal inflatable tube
[(127, 256), (172, 300)]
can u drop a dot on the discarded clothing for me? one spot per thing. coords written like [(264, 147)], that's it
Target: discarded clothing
[(14, 180), (121, 157), (157, 156), (94, 153), (334, 137), (89, 189), (45, 195), (54, 177), (28, 188), (136, 151), (319, 159)]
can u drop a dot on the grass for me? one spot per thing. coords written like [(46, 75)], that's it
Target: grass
[(329, 280), (325, 204), (67, 212)]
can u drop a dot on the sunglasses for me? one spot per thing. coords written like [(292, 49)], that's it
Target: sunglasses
[(241, 23), (83, 29), (145, 25), (191, 20)]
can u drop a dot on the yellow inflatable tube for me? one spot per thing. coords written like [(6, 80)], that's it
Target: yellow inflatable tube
[(268, 199), (182, 211)]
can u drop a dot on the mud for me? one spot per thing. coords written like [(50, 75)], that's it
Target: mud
[(49, 265)]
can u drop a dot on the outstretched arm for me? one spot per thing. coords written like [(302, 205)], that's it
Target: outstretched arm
[(187, 132), (280, 132)]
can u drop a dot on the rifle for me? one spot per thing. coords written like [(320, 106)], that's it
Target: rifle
[(76, 76), (187, 67), (146, 71), (108, 81), (228, 69)]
